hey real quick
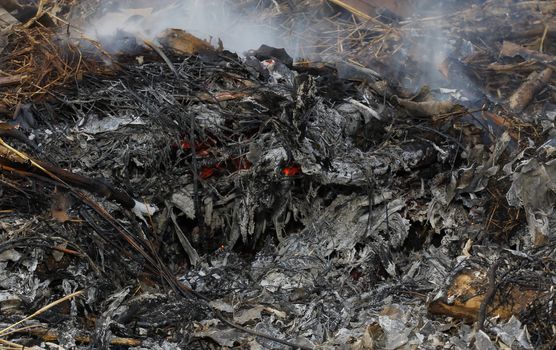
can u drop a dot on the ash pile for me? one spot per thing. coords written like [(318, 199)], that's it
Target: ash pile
[(386, 180)]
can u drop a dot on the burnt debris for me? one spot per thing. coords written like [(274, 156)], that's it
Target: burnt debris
[(388, 181)]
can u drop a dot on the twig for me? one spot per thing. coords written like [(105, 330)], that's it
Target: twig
[(195, 166), (50, 335), (258, 334), (489, 295), (162, 55), (41, 311)]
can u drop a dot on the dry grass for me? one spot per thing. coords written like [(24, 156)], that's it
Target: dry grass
[(7, 345), (43, 61)]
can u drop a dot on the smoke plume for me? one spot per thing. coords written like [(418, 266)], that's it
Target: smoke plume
[(206, 19)]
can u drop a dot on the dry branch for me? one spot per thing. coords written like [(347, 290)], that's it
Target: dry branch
[(530, 87)]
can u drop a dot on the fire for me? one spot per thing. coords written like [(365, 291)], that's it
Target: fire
[(206, 172), (185, 145), (292, 170), (202, 149)]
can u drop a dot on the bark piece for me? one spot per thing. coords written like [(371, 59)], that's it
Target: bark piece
[(60, 206), (183, 43), (466, 293), (11, 79), (511, 49), (530, 87), (426, 108)]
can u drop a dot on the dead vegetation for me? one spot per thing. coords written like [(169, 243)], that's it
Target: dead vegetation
[(392, 187)]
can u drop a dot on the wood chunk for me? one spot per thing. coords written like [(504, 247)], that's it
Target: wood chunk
[(221, 96), (466, 292), (60, 205), (11, 79), (510, 49), (426, 108), (183, 43), (530, 87)]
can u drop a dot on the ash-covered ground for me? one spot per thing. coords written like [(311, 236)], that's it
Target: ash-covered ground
[(316, 204)]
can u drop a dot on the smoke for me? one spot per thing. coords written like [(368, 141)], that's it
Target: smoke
[(428, 47), (206, 19), (431, 47), (425, 45)]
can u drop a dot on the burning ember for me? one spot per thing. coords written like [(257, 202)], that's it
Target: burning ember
[(292, 170), (207, 172)]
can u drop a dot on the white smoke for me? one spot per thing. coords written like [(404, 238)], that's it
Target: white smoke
[(425, 43), (206, 19), (431, 46)]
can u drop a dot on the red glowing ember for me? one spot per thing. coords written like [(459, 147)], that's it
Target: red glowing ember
[(292, 170), (206, 172), (202, 149), (185, 145)]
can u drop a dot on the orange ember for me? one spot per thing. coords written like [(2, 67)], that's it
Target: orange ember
[(206, 172), (291, 170)]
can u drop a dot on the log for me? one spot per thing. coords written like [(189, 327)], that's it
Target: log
[(530, 87)]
